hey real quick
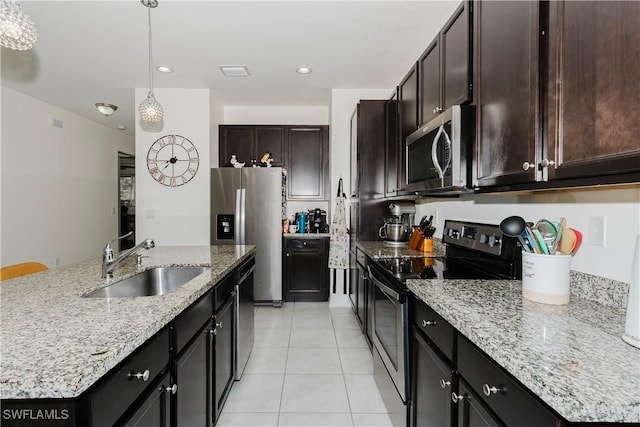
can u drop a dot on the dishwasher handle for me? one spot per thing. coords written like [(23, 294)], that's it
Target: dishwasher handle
[(245, 270)]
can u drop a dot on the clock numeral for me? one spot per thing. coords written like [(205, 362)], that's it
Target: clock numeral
[(190, 149), (154, 171), (184, 180), (172, 181), (192, 171), (152, 161), (193, 160)]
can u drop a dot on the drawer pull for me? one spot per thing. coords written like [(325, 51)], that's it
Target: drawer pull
[(173, 389), (444, 383), (426, 323), (213, 332), (488, 391), (219, 324), (456, 397), (144, 376), (527, 165)]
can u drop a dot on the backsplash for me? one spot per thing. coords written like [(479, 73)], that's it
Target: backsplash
[(607, 292)]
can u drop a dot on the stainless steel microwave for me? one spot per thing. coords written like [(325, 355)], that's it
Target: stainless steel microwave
[(438, 154)]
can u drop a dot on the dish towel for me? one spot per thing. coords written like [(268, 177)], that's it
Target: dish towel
[(339, 237)]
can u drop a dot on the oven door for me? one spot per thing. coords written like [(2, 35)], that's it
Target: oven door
[(390, 338)]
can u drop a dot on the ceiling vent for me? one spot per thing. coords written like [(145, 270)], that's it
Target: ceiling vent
[(234, 70)]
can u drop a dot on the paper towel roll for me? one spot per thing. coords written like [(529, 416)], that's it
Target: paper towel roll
[(632, 328)]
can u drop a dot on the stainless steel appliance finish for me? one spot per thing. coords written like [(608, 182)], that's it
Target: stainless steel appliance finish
[(438, 153), (246, 209), (244, 317)]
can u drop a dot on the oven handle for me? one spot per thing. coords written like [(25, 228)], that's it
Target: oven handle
[(384, 288)]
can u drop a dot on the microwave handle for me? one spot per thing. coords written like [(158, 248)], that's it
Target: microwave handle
[(434, 152)]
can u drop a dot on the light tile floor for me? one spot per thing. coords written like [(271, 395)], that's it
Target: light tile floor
[(310, 366)]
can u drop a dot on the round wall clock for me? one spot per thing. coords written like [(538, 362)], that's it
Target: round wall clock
[(172, 160)]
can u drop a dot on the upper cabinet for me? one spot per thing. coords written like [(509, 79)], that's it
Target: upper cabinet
[(249, 143), (506, 92), (593, 92), (308, 163), (445, 67), (408, 121), (392, 144), (368, 133)]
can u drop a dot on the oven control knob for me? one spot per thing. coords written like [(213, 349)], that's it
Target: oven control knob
[(483, 238), (493, 240)]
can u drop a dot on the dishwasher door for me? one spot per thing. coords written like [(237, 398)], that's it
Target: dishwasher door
[(244, 327)]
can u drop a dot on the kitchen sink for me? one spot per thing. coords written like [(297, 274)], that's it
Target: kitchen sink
[(155, 281)]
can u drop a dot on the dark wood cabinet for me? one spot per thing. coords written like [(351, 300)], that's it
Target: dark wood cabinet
[(444, 67), (306, 271), (154, 410), (192, 375), (308, 163), (223, 355), (368, 133), (593, 86), (392, 142), (506, 91), (471, 411), (432, 382), (408, 110), (248, 143)]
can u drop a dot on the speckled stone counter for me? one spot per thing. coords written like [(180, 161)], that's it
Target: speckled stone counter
[(571, 356), (376, 249), (56, 344), (306, 235)]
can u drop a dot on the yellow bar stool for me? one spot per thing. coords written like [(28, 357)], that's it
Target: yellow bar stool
[(22, 269)]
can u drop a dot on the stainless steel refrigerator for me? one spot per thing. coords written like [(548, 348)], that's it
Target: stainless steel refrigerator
[(246, 209)]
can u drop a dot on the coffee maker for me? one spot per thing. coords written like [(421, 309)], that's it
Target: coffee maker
[(317, 221)]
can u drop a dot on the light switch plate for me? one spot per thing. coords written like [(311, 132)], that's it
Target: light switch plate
[(597, 230)]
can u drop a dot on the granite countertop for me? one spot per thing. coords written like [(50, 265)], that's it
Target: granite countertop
[(571, 356), (56, 344), (305, 235), (376, 249)]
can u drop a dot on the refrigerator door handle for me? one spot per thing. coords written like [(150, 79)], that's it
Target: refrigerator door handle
[(238, 226), (242, 216)]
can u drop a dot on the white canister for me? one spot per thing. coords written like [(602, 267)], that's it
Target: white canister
[(546, 278)]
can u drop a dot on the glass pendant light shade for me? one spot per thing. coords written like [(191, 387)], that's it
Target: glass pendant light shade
[(17, 30), (150, 109)]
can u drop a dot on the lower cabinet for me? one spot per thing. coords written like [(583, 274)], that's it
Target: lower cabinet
[(471, 411), (432, 382), (154, 410), (223, 356), (306, 271), (192, 377)]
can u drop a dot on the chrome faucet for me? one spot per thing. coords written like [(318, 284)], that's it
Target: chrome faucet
[(109, 263)]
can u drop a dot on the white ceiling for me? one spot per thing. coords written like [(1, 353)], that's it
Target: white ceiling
[(96, 51)]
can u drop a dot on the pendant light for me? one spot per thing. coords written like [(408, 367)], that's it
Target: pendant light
[(17, 30), (150, 109)]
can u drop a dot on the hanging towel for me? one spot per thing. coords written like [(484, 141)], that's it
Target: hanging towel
[(339, 236)]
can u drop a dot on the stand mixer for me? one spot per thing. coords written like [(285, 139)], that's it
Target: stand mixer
[(396, 231)]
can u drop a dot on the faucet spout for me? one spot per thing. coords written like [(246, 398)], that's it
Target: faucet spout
[(109, 263)]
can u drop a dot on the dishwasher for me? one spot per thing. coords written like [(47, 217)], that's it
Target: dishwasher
[(244, 316)]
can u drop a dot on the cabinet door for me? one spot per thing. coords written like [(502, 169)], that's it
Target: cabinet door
[(223, 357), (193, 379), (430, 82), (432, 382), (408, 101), (594, 104), (371, 132), (455, 45), (154, 410), (391, 145), (238, 140), (308, 163), (306, 270), (506, 92), (362, 298), (270, 138), (471, 411)]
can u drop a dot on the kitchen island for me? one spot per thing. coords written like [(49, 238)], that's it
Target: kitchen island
[(56, 343), (570, 356)]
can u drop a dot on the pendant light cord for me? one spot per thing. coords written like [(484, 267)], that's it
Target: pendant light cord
[(150, 54)]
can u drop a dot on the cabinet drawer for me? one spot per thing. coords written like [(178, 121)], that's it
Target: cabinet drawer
[(439, 331), (224, 290), (513, 403), (118, 390), (192, 319), (304, 243)]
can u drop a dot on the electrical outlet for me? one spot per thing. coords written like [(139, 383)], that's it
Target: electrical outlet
[(57, 262), (597, 230)]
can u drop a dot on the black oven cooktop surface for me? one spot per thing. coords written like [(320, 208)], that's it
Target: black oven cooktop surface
[(473, 251)]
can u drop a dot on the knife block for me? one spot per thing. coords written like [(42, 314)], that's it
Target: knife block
[(416, 238)]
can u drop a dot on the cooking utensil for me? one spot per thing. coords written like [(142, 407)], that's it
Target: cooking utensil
[(514, 226), (569, 242), (540, 240), (556, 241), (531, 239), (548, 231), (578, 241)]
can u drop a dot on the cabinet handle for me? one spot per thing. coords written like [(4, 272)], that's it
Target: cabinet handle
[(304, 243), (526, 166), (437, 110), (288, 254), (444, 383), (488, 391), (144, 376), (219, 324), (426, 323), (456, 397), (173, 389), (546, 163), (213, 332)]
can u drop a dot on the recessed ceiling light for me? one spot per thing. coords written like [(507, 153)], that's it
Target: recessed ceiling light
[(122, 127), (303, 70), (164, 69), (106, 109), (234, 70)]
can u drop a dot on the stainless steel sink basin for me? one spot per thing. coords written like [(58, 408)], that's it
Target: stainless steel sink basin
[(155, 281)]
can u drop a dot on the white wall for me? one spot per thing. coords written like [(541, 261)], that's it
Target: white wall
[(175, 215), (620, 207), (59, 185), (276, 115)]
